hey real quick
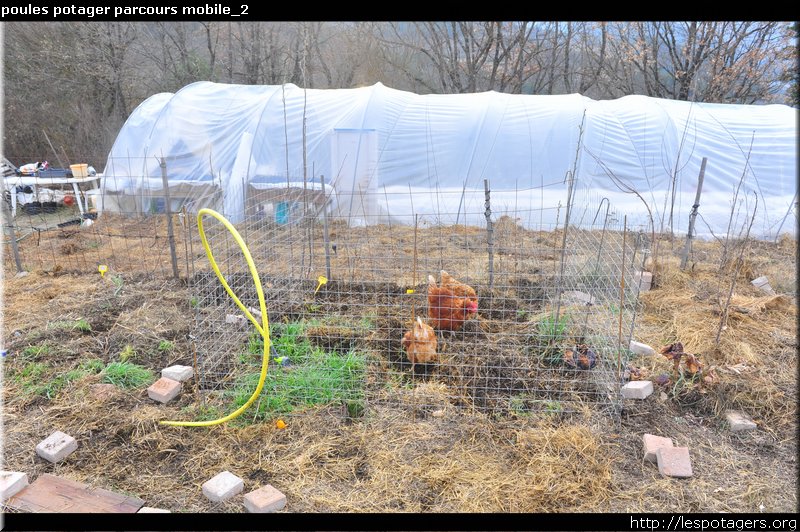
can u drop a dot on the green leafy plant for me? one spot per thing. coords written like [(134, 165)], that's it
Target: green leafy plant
[(553, 407), (165, 346), (525, 406), (92, 365), (367, 322), (78, 325), (118, 282), (30, 378), (553, 329), (34, 379), (36, 351), (518, 407), (127, 353), (552, 333), (194, 302), (128, 375), (202, 412), (314, 377)]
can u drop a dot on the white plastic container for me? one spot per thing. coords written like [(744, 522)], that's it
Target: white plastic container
[(79, 170)]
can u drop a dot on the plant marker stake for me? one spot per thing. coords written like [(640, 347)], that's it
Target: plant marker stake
[(102, 269), (321, 280)]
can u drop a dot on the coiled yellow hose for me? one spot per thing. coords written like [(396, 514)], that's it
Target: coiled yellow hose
[(263, 328)]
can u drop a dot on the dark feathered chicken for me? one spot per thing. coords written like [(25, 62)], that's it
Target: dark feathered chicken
[(582, 357)]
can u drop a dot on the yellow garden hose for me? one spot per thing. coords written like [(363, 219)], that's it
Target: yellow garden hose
[(263, 328)]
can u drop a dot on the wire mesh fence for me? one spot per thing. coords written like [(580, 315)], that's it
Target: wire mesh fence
[(455, 307), (52, 223), (379, 313)]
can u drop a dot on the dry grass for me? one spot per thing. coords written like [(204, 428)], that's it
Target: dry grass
[(424, 454)]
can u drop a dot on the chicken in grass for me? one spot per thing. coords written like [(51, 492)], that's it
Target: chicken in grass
[(420, 343), (450, 304)]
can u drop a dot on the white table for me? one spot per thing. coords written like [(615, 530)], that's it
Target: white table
[(12, 182)]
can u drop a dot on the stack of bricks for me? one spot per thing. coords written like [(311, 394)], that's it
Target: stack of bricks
[(672, 461), (168, 387)]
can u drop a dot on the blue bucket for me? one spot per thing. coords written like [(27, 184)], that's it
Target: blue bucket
[(282, 213)]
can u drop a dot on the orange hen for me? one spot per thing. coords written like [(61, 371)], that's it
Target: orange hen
[(420, 343), (450, 304)]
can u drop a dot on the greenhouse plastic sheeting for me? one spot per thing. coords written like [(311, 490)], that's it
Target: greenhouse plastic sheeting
[(403, 154)]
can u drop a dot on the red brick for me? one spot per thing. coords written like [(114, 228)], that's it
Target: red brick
[(164, 390), (674, 462), (265, 499), (652, 443)]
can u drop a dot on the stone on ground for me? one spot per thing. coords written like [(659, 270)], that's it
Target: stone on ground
[(223, 486), (674, 462), (11, 483), (265, 499), (56, 447)]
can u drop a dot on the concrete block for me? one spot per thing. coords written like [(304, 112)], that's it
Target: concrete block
[(762, 283), (164, 390), (223, 486), (56, 447), (652, 443), (674, 462), (235, 319), (11, 483), (178, 373), (739, 422), (641, 349), (578, 297), (637, 390), (265, 499), (643, 281), (150, 510)]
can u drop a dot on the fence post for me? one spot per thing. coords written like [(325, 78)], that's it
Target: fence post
[(12, 233), (325, 228), (168, 209), (489, 233), (693, 214)]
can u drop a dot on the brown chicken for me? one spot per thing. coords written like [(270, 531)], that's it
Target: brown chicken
[(450, 304), (420, 343), (581, 358)]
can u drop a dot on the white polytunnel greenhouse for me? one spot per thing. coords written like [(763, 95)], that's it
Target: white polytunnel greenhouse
[(376, 155)]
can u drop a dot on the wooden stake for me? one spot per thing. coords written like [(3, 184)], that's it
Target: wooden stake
[(12, 233), (168, 209), (693, 214)]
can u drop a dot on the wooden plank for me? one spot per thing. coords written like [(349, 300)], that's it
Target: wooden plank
[(52, 494)]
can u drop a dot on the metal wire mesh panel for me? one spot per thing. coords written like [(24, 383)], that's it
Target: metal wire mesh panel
[(507, 318)]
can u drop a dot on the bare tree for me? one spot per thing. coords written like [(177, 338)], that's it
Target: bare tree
[(86, 78), (462, 56), (182, 46), (719, 61)]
